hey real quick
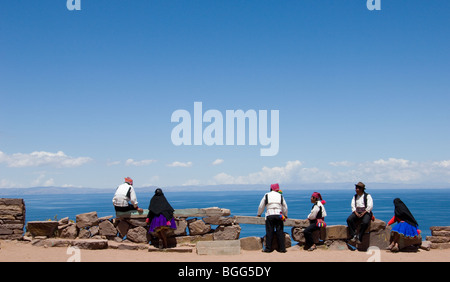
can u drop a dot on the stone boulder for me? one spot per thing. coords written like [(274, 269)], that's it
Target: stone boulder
[(426, 245), (42, 228), (302, 223), (227, 232), (337, 245), (377, 225), (84, 234), (70, 232), (123, 227), (91, 244), (227, 247), (107, 229), (298, 236), (181, 227), (380, 238), (219, 220), (87, 219), (198, 227), (192, 240), (216, 211), (137, 235), (251, 243), (337, 232), (94, 230)]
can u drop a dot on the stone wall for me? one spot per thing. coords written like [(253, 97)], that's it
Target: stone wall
[(12, 218), (193, 225), (440, 237), (133, 228), (335, 236)]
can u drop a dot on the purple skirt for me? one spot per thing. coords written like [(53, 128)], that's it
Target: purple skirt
[(159, 222)]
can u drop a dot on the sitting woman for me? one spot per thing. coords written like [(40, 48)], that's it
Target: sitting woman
[(405, 232), (160, 216), (316, 220)]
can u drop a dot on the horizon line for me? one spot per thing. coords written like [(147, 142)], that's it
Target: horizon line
[(290, 186)]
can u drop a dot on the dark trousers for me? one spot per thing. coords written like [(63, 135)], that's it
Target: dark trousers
[(308, 233), (130, 207), (274, 225), (352, 222)]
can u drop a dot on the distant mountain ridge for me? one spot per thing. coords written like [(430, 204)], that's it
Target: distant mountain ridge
[(4, 192)]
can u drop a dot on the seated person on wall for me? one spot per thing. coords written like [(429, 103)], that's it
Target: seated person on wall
[(316, 220), (124, 194), (160, 217), (405, 232), (362, 205)]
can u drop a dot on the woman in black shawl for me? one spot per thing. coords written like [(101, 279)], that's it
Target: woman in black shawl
[(405, 229), (160, 216)]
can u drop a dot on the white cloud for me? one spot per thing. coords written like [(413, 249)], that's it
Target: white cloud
[(151, 181), (132, 162), (217, 162), (443, 164), (49, 182), (180, 164), (42, 158), (42, 181), (223, 178), (5, 183), (342, 163), (191, 182), (111, 163), (391, 170), (291, 172)]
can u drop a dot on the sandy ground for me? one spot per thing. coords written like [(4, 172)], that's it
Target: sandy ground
[(17, 251)]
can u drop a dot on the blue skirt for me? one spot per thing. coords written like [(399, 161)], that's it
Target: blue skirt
[(405, 229), (159, 222)]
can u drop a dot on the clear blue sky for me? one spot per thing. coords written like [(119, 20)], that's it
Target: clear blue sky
[(86, 97)]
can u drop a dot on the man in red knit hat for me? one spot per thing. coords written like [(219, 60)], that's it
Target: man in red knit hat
[(125, 197), (276, 213)]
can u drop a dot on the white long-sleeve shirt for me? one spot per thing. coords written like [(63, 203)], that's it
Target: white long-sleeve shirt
[(360, 202), (274, 206), (120, 197), (315, 210)]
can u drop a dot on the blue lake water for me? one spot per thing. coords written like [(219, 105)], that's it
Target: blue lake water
[(430, 207)]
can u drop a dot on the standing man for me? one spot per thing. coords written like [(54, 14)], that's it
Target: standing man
[(362, 205), (276, 212), (125, 194)]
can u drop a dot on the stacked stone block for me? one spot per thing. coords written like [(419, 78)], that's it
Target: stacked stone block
[(12, 218), (440, 237)]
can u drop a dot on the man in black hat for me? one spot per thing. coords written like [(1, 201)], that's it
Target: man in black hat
[(362, 205)]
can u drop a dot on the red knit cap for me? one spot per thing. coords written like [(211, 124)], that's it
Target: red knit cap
[(275, 187)]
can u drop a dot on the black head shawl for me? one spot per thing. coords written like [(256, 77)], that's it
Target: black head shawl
[(402, 212), (160, 205)]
